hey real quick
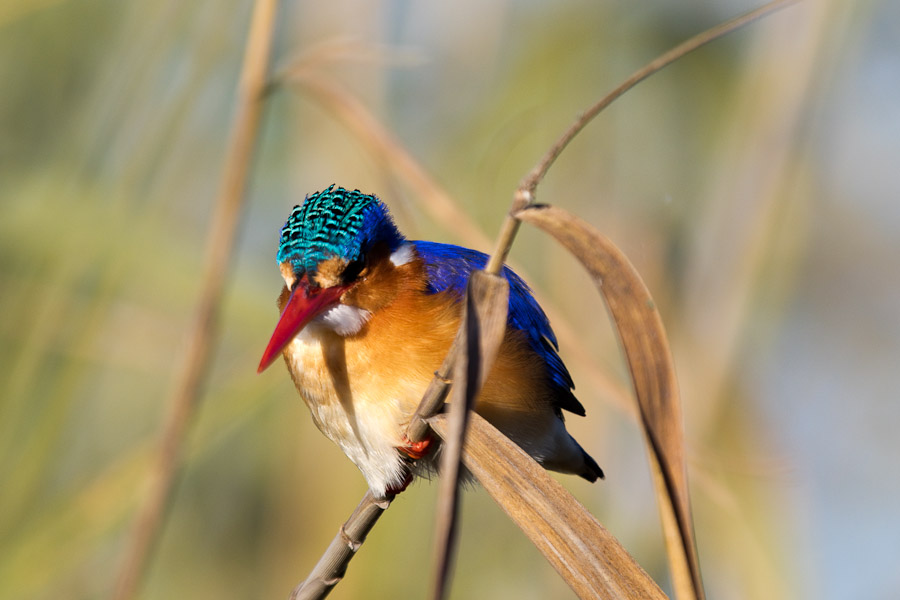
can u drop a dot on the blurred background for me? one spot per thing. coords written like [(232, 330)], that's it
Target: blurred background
[(754, 185)]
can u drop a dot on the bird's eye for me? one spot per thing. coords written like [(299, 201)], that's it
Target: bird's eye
[(353, 270)]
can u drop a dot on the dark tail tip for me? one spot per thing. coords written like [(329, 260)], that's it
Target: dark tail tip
[(593, 472)]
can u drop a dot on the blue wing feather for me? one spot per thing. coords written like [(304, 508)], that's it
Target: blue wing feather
[(448, 268)]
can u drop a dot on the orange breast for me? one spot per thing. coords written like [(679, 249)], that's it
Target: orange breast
[(363, 389), (408, 340)]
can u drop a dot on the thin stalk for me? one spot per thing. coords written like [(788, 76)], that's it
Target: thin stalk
[(330, 569), (531, 181), (185, 398)]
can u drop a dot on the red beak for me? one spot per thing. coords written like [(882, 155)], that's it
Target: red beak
[(301, 308)]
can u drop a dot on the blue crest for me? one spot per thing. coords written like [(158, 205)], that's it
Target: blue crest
[(335, 222)]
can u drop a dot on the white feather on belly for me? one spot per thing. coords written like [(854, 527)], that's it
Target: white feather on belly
[(367, 427)]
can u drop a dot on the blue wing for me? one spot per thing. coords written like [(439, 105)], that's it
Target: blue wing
[(448, 268)]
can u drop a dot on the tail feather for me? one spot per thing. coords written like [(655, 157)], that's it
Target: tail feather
[(592, 469)]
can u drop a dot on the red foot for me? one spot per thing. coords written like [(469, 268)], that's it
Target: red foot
[(393, 491), (415, 450)]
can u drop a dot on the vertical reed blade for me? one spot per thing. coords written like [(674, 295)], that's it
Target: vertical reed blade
[(184, 401), (586, 555), (483, 327), (646, 349)]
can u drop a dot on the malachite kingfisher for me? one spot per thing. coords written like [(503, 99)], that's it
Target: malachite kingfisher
[(367, 316)]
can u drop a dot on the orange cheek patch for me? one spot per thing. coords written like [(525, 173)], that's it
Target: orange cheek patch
[(329, 271)]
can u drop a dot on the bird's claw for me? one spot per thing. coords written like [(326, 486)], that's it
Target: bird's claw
[(415, 450)]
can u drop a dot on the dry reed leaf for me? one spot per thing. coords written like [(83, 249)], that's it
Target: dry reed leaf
[(646, 349), (584, 553), (484, 320)]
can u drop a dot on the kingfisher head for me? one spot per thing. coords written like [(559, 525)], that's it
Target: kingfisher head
[(330, 248)]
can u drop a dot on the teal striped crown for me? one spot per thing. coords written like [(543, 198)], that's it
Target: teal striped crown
[(335, 222)]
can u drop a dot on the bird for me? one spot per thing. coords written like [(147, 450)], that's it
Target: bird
[(367, 317)]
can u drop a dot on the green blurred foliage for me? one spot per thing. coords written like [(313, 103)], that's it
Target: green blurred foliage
[(114, 118)]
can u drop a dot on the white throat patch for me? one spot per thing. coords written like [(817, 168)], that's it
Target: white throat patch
[(344, 320)]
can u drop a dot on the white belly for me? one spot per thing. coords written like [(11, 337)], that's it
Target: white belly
[(358, 407)]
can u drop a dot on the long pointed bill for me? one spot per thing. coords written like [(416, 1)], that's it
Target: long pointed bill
[(301, 308)]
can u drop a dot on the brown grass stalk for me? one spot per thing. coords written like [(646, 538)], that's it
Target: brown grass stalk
[(185, 398), (330, 569), (483, 328), (529, 184)]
